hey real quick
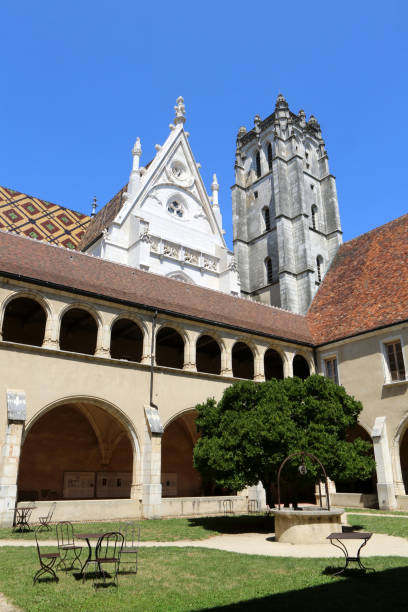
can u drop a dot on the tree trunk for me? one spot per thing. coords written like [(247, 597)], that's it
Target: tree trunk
[(268, 491)]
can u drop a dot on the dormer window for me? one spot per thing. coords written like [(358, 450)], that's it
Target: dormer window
[(175, 208)]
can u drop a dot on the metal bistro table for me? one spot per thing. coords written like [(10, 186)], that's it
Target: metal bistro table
[(95, 535), (342, 538), (21, 517)]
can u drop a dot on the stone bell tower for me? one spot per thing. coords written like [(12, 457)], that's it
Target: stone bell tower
[(285, 211)]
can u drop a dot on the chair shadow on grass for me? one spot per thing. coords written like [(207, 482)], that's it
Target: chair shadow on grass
[(352, 591), (235, 524)]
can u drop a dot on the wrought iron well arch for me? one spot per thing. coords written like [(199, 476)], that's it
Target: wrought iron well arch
[(303, 454)]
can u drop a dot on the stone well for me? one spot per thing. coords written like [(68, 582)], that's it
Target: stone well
[(308, 526)]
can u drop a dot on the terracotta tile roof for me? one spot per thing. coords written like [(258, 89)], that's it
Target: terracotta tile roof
[(101, 220), (72, 270), (41, 220), (366, 286)]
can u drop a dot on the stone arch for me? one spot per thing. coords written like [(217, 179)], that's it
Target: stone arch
[(179, 477), (243, 358), (170, 342), (79, 434), (127, 338), (399, 462), (358, 486), (272, 367), (14, 307), (301, 366), (86, 341), (208, 360)]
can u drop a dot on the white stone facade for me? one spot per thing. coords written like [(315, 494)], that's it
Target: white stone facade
[(168, 224)]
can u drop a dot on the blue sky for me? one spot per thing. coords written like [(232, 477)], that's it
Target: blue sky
[(82, 79)]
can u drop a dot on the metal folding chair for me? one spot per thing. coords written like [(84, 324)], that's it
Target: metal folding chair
[(46, 568), (66, 545), (46, 520), (131, 533), (108, 551)]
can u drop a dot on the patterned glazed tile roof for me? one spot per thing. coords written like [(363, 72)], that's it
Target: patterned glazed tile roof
[(366, 286), (101, 220), (40, 220), (74, 271)]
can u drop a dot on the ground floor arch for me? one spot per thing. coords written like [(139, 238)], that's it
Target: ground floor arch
[(179, 477), (76, 450)]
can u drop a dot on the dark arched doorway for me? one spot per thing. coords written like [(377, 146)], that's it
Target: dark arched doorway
[(169, 348), (242, 361), (24, 322), (300, 367), (126, 341), (76, 451), (78, 332), (208, 355), (179, 477), (273, 365)]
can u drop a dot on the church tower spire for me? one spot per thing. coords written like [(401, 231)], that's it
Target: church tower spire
[(285, 212)]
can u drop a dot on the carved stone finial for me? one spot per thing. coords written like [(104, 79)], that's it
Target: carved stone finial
[(94, 206), (180, 111), (242, 130), (281, 102), (137, 148), (257, 119), (214, 188)]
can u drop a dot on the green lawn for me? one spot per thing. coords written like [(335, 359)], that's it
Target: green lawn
[(167, 530), (372, 511), (174, 579), (379, 524)]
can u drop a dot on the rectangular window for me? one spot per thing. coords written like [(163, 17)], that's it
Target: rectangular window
[(395, 360), (330, 366)]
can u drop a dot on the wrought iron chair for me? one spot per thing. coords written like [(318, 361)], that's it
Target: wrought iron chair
[(66, 544), (131, 533), (108, 551), (46, 520), (46, 568)]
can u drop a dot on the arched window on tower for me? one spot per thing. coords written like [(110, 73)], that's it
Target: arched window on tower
[(268, 270), (269, 152), (258, 164), (314, 217), (319, 269), (266, 218)]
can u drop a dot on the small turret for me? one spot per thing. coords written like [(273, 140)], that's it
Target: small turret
[(135, 174)]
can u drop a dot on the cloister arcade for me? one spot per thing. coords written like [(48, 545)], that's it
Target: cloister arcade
[(80, 328), (76, 450)]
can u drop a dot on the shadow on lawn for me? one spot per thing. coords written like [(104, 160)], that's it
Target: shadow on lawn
[(356, 590), (235, 524)]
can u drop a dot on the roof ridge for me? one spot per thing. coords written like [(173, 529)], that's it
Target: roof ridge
[(375, 229), (128, 267)]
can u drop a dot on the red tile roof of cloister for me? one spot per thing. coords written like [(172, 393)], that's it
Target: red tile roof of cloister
[(366, 286), (72, 270)]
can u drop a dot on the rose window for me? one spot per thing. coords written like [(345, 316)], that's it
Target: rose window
[(175, 208)]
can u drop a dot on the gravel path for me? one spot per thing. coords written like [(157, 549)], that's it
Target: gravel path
[(264, 544)]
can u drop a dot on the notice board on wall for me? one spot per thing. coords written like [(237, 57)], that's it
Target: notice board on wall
[(113, 484), (79, 485)]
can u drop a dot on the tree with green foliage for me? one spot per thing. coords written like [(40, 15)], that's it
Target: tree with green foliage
[(255, 426)]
